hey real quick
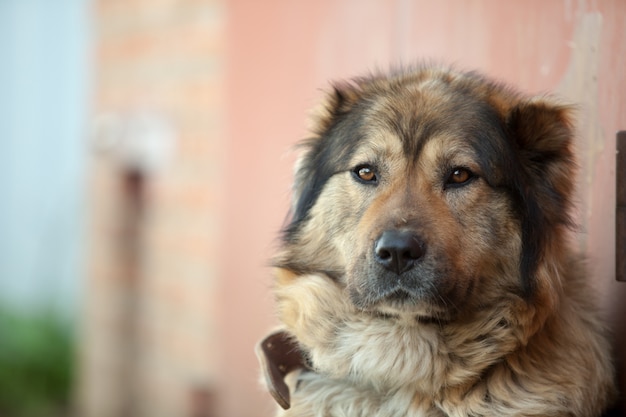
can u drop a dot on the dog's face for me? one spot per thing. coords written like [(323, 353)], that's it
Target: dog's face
[(420, 193)]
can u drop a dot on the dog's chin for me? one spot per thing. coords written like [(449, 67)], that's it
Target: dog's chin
[(407, 305)]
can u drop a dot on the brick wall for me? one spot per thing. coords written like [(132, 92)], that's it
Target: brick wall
[(148, 340)]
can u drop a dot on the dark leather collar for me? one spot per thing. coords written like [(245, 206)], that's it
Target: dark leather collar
[(280, 354)]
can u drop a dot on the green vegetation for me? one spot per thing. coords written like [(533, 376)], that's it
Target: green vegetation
[(36, 364)]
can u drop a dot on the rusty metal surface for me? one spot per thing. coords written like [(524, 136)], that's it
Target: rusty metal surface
[(620, 213)]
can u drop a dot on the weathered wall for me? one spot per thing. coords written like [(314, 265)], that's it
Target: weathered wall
[(178, 296)]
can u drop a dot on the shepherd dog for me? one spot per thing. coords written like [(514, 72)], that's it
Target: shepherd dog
[(426, 267)]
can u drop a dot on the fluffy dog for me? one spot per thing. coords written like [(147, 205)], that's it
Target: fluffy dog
[(425, 268)]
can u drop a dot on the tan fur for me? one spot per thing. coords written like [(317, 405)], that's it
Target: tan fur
[(488, 348)]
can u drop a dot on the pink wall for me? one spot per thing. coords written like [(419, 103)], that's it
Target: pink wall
[(281, 53)]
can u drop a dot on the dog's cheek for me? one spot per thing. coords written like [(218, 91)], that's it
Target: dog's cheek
[(493, 240), (334, 219), (360, 272), (482, 243)]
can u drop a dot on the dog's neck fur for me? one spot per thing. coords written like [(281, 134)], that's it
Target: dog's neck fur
[(382, 356), (346, 343)]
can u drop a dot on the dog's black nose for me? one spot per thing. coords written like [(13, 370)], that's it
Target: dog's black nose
[(398, 250)]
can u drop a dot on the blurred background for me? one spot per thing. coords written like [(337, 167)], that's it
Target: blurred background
[(146, 159)]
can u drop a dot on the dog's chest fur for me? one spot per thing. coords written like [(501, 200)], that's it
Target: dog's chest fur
[(398, 366)]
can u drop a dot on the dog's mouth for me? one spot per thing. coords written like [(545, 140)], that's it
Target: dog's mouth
[(405, 298), (403, 304), (400, 296), (410, 298), (438, 320)]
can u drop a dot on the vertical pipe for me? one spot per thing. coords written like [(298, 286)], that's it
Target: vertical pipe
[(133, 187)]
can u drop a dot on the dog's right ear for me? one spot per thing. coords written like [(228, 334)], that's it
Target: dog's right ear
[(316, 163), (342, 96)]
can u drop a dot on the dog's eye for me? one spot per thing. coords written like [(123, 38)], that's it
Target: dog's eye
[(459, 176), (365, 173)]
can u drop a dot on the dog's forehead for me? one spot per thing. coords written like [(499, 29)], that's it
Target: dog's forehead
[(386, 145), (377, 143), (428, 116)]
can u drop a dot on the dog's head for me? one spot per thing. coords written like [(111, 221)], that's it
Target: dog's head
[(429, 191)]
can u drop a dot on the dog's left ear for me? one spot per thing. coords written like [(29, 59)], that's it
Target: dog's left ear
[(543, 134)]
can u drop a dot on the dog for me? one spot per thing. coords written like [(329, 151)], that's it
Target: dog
[(425, 268)]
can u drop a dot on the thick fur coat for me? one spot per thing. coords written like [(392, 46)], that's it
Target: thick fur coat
[(425, 268)]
